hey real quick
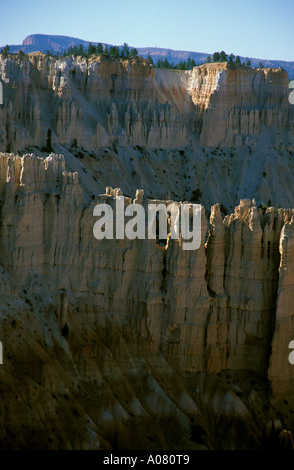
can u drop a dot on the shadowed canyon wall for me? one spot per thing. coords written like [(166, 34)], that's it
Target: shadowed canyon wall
[(127, 344)]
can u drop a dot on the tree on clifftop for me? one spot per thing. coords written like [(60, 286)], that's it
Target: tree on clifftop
[(150, 60), (134, 52), (20, 54), (114, 51), (192, 64), (126, 50), (238, 60), (223, 57), (99, 48), (5, 51), (215, 57), (91, 48)]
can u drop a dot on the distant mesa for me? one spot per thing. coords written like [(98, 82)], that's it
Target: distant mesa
[(45, 42)]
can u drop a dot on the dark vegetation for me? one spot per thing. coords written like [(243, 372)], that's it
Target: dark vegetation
[(126, 52), (231, 59)]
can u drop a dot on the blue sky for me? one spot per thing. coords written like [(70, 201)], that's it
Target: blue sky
[(254, 28)]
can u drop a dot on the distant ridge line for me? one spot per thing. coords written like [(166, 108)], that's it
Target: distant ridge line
[(59, 43)]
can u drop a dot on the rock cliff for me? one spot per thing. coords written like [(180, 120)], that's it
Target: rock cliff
[(221, 131), (124, 338), (123, 344), (98, 101)]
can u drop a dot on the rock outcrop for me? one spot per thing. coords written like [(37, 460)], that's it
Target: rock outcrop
[(96, 102), (139, 344), (281, 371), (105, 340), (234, 103), (216, 134)]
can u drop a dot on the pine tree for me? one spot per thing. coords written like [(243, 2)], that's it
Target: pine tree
[(150, 60), (114, 51), (99, 48), (70, 51), (182, 65), (215, 57), (5, 51), (166, 64), (208, 59), (238, 60), (91, 49), (248, 63), (126, 50), (134, 52), (231, 58), (223, 57)]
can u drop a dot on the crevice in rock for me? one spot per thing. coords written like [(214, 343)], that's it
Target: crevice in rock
[(274, 289), (208, 264), (163, 274)]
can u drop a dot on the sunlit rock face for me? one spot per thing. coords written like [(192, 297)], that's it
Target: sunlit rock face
[(98, 102)]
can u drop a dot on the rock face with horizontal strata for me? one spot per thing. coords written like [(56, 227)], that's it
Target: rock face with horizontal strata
[(235, 103), (119, 336), (96, 102)]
